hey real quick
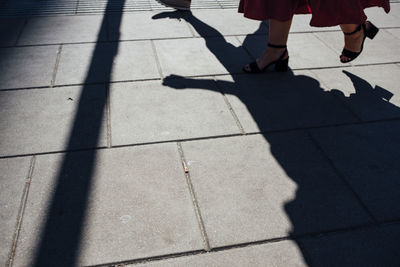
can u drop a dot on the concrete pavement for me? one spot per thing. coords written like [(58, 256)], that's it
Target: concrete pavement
[(133, 138)]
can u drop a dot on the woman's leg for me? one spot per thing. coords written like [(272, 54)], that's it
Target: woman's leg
[(354, 41), (278, 35)]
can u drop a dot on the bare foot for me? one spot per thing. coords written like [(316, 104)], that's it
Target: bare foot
[(353, 42)]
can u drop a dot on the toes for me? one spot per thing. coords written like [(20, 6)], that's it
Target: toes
[(344, 59)]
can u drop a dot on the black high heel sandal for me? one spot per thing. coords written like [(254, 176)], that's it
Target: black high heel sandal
[(281, 65), (370, 33)]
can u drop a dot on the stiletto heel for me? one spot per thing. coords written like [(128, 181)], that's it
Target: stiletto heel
[(370, 33), (281, 64)]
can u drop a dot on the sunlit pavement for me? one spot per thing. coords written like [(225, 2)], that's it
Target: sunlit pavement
[(134, 138)]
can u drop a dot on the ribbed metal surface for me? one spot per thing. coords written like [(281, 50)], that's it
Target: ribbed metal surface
[(11, 8)]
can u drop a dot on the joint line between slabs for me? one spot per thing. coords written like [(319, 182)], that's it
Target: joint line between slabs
[(158, 63), (328, 45), (199, 138), (342, 177), (149, 259), (166, 38), (108, 115), (337, 98), (53, 78), (245, 49), (296, 238), (192, 31), (397, 63), (20, 32), (233, 113), (21, 211), (200, 221)]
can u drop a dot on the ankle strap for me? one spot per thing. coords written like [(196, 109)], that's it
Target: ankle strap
[(276, 46), (356, 30)]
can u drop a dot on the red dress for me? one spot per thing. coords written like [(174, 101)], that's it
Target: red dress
[(324, 12)]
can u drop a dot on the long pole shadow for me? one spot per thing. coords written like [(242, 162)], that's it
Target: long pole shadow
[(60, 241), (324, 201)]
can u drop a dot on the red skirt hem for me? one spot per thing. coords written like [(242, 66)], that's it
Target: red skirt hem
[(325, 13)]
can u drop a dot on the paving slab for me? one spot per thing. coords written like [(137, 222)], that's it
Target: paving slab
[(40, 120), (367, 156), (255, 45), (142, 25), (105, 62), (395, 32), (395, 9), (376, 246), (380, 18), (149, 111), (370, 92), (13, 173), (10, 30), (198, 56), (27, 66), (62, 29), (284, 253), (385, 48), (301, 23), (282, 101), (107, 206), (305, 50), (252, 188), (217, 22)]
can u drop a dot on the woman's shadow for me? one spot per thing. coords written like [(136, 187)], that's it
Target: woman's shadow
[(335, 200)]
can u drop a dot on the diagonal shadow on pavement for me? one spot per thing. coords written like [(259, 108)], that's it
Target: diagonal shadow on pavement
[(332, 194), (61, 233)]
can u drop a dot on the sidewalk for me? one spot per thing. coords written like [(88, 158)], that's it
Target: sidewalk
[(134, 139)]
